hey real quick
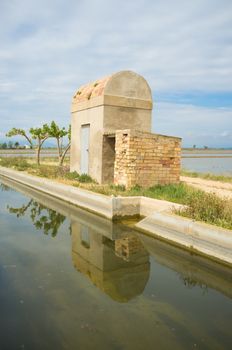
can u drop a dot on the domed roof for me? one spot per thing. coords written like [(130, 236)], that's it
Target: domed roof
[(125, 84), (88, 91)]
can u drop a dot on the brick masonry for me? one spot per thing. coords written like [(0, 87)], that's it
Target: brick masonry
[(146, 159)]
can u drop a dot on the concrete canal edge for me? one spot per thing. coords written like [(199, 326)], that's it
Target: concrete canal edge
[(209, 240), (107, 206), (159, 221)]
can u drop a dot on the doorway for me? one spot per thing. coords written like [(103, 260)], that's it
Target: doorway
[(108, 159), (85, 148)]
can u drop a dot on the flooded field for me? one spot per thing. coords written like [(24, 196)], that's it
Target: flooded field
[(208, 164), (73, 280)]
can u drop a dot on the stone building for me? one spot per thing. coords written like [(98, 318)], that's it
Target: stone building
[(111, 134)]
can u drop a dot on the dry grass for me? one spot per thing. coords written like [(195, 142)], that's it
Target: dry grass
[(207, 176)]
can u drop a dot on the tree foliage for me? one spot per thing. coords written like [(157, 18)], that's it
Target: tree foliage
[(59, 133), (20, 132), (41, 134)]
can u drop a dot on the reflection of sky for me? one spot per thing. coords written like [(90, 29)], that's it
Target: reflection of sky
[(47, 304)]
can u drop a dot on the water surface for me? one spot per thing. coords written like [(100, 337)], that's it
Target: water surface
[(72, 280), (217, 166)]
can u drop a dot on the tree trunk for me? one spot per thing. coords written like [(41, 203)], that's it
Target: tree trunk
[(64, 154), (40, 144), (38, 154), (59, 149), (29, 140)]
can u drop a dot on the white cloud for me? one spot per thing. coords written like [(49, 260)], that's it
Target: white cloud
[(195, 124), (49, 48)]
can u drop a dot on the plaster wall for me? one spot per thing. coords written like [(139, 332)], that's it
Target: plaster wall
[(94, 117), (121, 117)]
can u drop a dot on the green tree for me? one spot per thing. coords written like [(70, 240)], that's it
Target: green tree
[(20, 132), (59, 133), (40, 135), (16, 144), (66, 149)]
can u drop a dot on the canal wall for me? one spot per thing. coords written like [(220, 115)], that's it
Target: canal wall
[(158, 221), (110, 207)]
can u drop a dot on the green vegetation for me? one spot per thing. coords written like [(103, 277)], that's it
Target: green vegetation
[(10, 145), (16, 163), (41, 134), (83, 178), (59, 133), (200, 206), (207, 176), (208, 208)]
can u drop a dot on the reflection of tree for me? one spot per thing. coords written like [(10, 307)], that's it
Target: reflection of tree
[(20, 211), (5, 188), (191, 283), (42, 218)]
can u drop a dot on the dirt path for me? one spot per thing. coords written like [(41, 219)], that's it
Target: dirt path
[(221, 189)]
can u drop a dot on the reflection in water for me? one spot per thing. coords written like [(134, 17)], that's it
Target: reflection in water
[(115, 259), (120, 267), (5, 188), (191, 283), (47, 304), (47, 220)]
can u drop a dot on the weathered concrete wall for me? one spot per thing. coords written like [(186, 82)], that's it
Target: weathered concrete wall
[(94, 117), (121, 117), (122, 100), (146, 159), (210, 240)]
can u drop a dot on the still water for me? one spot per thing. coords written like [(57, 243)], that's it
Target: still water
[(217, 166), (72, 280)]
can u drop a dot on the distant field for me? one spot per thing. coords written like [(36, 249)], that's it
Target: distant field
[(184, 151), (26, 151), (206, 151)]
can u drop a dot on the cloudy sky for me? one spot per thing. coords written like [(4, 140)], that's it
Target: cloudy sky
[(48, 48)]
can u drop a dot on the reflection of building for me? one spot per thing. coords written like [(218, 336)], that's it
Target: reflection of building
[(119, 268)]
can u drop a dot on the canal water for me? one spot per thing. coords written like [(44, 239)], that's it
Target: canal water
[(72, 280), (218, 164)]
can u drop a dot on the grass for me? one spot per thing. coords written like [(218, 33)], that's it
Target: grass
[(207, 176), (200, 206), (209, 208)]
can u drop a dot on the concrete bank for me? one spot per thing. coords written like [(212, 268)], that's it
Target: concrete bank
[(159, 221), (108, 206), (209, 240)]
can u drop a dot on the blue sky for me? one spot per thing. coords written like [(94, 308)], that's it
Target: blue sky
[(183, 48)]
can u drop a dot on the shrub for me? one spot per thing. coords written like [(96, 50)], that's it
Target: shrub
[(84, 178), (120, 188), (16, 163), (209, 208)]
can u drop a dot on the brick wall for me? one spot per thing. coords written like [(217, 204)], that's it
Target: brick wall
[(146, 159)]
